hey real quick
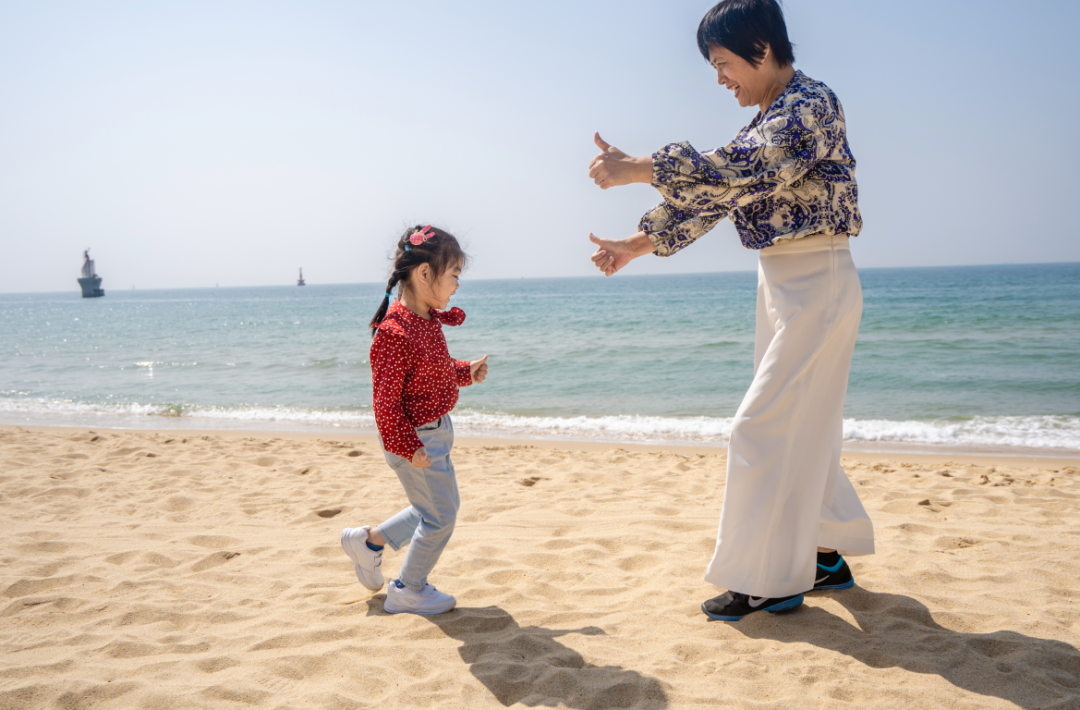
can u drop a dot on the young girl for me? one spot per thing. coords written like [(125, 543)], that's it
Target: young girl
[(415, 384)]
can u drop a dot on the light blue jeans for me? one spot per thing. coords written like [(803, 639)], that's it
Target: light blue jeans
[(428, 522)]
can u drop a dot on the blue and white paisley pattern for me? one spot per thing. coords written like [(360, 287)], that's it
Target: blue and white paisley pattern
[(788, 174)]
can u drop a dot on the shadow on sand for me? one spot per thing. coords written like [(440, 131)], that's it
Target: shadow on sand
[(528, 666), (898, 631)]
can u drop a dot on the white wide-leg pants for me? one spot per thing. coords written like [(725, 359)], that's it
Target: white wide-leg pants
[(786, 494)]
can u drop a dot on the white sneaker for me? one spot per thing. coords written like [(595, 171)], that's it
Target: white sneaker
[(366, 562), (427, 601)]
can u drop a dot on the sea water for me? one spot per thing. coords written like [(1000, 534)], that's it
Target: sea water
[(948, 359)]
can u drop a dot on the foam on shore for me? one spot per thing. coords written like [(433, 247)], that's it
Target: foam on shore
[(1049, 434)]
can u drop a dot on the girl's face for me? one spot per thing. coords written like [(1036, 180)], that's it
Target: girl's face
[(436, 291), (750, 82), (446, 286)]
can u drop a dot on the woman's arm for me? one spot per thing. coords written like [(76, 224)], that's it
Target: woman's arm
[(613, 167), (700, 189), (613, 254)]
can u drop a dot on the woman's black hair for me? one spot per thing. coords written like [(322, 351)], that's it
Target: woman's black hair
[(441, 251), (746, 27)]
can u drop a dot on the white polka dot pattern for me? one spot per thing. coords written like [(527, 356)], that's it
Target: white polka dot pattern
[(414, 380)]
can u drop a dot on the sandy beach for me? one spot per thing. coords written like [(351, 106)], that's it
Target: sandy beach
[(203, 570)]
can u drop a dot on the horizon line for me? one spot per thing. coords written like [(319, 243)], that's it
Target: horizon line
[(540, 278)]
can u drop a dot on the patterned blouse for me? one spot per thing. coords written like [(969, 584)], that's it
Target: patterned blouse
[(414, 380), (789, 174)]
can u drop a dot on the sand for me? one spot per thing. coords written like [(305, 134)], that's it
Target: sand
[(203, 570)]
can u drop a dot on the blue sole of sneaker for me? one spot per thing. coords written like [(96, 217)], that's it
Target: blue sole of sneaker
[(782, 606), (846, 585)]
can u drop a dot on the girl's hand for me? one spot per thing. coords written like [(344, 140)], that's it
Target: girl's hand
[(613, 254), (420, 458), (614, 167), (478, 370)]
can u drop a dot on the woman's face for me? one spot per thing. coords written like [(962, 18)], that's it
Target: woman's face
[(750, 82)]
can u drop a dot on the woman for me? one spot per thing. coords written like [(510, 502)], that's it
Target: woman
[(787, 181)]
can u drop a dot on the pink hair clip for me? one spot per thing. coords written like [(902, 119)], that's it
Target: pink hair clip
[(421, 235)]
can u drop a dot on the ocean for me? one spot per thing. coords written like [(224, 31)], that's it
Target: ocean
[(949, 359)]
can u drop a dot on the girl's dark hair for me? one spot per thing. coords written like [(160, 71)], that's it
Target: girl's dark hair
[(441, 251), (745, 27)]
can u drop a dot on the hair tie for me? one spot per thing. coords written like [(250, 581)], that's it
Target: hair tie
[(408, 248), (389, 295)]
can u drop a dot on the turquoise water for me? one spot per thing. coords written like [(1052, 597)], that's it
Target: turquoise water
[(954, 358)]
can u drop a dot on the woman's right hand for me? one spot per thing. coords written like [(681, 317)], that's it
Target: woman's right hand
[(420, 458), (613, 167), (613, 254)]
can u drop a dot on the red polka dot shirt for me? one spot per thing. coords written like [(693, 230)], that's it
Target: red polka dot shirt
[(414, 380)]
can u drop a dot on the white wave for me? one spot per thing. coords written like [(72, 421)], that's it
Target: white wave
[(331, 417), (1039, 432), (619, 427), (1046, 433), (31, 407), (47, 407)]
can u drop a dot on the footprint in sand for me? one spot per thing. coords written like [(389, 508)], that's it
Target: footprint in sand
[(213, 542), (215, 560)]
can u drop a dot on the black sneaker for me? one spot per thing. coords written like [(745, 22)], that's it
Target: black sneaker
[(837, 576), (732, 606)]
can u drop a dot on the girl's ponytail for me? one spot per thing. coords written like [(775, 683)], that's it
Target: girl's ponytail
[(419, 245), (381, 313)]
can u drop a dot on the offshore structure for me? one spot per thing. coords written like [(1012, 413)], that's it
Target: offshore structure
[(300, 281), (90, 281)]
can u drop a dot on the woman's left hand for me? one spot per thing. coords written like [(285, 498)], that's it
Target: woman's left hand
[(613, 167), (478, 370), (613, 254)]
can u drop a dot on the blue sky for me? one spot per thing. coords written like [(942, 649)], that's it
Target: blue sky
[(198, 143)]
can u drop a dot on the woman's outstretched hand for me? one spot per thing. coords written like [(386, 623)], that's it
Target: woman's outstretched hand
[(613, 167), (613, 254)]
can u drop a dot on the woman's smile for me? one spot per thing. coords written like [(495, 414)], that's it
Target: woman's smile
[(751, 83)]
